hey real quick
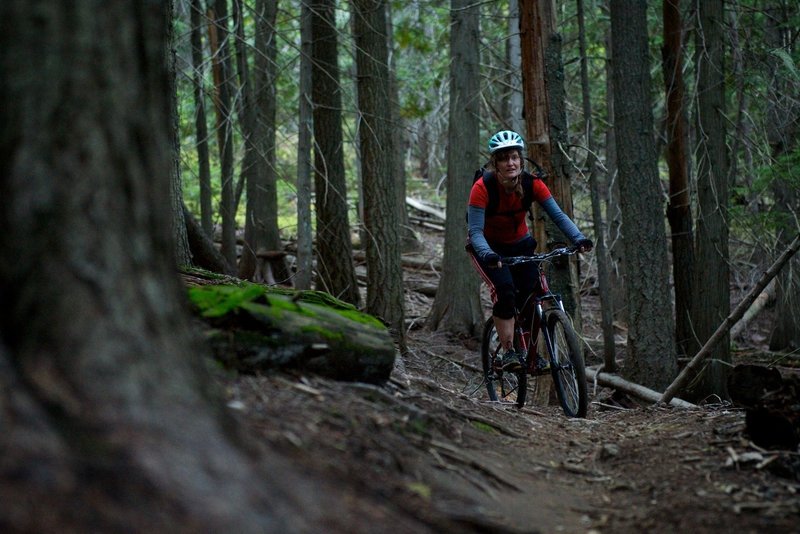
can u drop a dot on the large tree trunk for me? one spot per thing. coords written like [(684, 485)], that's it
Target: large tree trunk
[(109, 420), (335, 271), (104, 404), (458, 309), (782, 124), (546, 119), (651, 354), (711, 284), (381, 210), (679, 211)]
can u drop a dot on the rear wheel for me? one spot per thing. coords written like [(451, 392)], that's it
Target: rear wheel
[(501, 386), (566, 363)]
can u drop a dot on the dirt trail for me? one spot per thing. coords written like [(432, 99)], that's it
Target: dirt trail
[(427, 451)]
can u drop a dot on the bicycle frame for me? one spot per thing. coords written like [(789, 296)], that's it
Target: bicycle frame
[(529, 337)]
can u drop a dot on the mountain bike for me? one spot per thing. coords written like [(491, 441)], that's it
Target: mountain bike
[(543, 313)]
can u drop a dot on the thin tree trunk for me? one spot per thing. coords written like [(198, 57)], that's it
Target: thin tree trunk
[(651, 357), (616, 247), (183, 255), (545, 115), (218, 40), (711, 284), (517, 100), (252, 162), (265, 209), (601, 251), (409, 240), (305, 252), (381, 210), (201, 128), (679, 211), (458, 309), (335, 270)]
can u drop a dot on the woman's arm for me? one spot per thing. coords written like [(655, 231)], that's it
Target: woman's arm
[(563, 222), (476, 218)]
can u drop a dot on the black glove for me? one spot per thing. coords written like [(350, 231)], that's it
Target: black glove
[(491, 259), (584, 245)]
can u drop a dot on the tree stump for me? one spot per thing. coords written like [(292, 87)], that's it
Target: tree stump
[(772, 415)]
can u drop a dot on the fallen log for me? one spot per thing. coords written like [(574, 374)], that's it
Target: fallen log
[(691, 368), (637, 390), (764, 298), (408, 261), (252, 330), (424, 208)]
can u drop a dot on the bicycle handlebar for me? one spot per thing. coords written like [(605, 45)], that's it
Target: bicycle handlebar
[(517, 260)]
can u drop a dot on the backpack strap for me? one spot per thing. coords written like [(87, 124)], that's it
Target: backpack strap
[(490, 182)]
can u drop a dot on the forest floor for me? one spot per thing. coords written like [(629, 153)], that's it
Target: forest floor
[(428, 452)]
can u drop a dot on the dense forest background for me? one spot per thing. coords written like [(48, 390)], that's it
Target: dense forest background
[(276, 141), (691, 132)]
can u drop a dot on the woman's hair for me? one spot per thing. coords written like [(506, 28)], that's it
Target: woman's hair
[(492, 165)]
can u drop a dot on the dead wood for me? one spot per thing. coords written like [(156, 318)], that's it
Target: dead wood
[(692, 367), (204, 253), (764, 298), (424, 208), (637, 390), (305, 330)]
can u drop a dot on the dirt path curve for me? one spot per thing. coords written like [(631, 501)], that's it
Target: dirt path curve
[(427, 452)]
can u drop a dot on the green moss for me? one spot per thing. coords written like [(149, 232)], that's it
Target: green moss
[(218, 300), (483, 427), (324, 332), (420, 488)]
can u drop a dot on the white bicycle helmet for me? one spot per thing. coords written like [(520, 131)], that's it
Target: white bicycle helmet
[(505, 139)]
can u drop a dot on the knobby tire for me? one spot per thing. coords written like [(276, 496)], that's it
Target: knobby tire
[(501, 386), (566, 364)]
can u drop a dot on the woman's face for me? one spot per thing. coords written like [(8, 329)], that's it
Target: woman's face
[(508, 166)]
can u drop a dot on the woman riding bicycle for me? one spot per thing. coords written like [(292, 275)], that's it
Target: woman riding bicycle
[(496, 212)]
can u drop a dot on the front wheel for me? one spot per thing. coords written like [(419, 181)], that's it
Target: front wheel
[(566, 363), (502, 386)]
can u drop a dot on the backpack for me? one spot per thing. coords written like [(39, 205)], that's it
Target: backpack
[(489, 181)]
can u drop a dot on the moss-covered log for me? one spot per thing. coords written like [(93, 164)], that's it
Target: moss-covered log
[(253, 329)]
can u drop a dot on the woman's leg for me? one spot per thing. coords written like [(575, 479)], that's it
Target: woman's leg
[(505, 331)]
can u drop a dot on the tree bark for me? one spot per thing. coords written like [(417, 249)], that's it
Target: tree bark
[(601, 251), (679, 212), (334, 249), (183, 255), (458, 310), (381, 210), (218, 41), (546, 119), (110, 422), (711, 284), (783, 112), (201, 128), (651, 357), (305, 246)]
